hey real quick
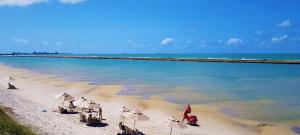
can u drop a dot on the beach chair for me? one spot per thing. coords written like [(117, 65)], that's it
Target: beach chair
[(91, 116), (69, 108), (82, 117), (10, 86), (125, 130), (93, 120)]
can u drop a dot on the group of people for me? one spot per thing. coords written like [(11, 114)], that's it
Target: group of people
[(87, 113), (90, 112)]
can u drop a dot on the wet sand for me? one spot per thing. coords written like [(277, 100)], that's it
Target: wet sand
[(36, 93)]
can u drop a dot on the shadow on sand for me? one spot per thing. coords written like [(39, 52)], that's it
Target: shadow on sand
[(195, 125), (70, 113), (97, 125)]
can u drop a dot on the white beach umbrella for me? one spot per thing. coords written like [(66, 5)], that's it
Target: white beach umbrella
[(10, 78), (58, 96), (84, 103), (94, 106), (80, 101), (173, 123), (68, 98), (136, 115), (65, 96)]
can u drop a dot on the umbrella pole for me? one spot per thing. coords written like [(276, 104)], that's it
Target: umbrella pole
[(171, 131), (134, 124)]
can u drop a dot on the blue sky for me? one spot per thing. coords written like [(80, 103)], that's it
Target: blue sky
[(150, 26)]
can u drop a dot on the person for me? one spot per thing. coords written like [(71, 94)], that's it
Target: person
[(71, 105), (100, 113), (122, 127), (187, 110), (191, 119), (82, 117), (90, 119)]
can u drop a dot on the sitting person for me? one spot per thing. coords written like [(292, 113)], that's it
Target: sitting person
[(10, 86), (128, 131), (122, 127), (92, 120), (71, 105), (82, 117), (90, 117), (191, 119)]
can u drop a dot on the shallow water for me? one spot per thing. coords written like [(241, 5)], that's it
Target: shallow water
[(268, 92)]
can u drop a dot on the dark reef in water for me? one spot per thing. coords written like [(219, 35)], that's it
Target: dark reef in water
[(33, 53), (296, 130), (263, 61)]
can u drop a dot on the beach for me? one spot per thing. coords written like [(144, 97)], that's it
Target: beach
[(36, 92), (89, 67)]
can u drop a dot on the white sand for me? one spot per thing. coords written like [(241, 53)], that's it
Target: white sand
[(36, 93)]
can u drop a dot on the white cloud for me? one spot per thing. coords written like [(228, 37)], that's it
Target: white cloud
[(58, 43), (130, 41), (71, 1), (296, 39), (167, 41), (21, 3), (188, 42), (285, 23), (22, 41), (278, 39), (259, 32), (45, 43), (234, 41)]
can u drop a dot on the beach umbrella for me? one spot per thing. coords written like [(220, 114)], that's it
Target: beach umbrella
[(136, 115), (65, 96), (10, 78), (173, 123), (125, 112), (94, 106), (80, 102), (85, 103), (97, 108), (58, 96)]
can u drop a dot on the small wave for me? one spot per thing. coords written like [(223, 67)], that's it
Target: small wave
[(222, 58), (250, 59)]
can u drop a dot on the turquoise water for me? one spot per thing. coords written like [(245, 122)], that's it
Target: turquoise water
[(268, 92)]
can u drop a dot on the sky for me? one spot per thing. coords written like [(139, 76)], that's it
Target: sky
[(150, 26)]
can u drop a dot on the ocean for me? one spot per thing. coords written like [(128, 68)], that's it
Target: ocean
[(264, 92)]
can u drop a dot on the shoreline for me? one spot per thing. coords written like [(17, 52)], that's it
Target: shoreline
[(258, 61), (210, 119)]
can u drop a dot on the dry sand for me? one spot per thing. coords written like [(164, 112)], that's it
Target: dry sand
[(36, 93)]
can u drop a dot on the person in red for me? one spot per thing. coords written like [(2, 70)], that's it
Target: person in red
[(191, 119)]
